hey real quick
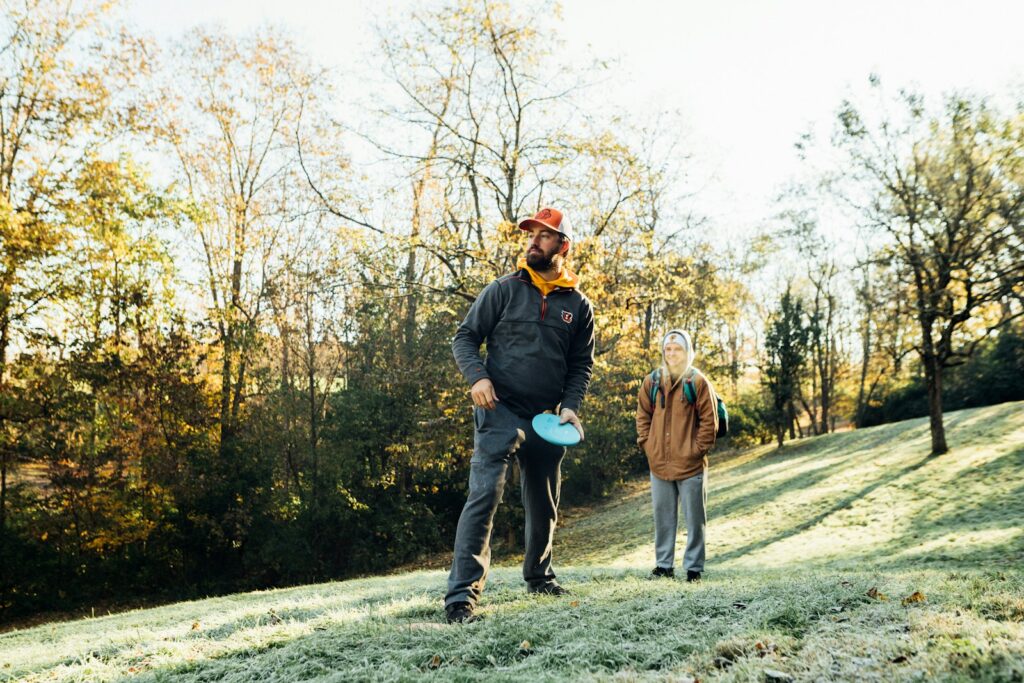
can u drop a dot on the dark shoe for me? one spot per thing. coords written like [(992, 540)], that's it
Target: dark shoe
[(460, 613), (692, 577), (663, 573), (548, 589)]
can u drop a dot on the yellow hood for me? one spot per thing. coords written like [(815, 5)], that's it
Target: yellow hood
[(566, 278)]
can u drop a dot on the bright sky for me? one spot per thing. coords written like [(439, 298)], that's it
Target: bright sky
[(749, 76)]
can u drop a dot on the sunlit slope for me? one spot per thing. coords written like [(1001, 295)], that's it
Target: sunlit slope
[(869, 497), (812, 552)]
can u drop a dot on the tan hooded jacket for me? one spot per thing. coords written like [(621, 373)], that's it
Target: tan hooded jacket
[(676, 435)]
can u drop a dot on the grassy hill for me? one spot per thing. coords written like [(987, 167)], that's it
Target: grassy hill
[(852, 556)]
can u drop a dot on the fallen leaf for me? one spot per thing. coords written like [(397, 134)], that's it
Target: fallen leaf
[(435, 662), (845, 583), (876, 594), (195, 625), (525, 649), (916, 596), (574, 603), (899, 660)]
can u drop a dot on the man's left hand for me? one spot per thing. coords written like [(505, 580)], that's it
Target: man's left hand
[(569, 415)]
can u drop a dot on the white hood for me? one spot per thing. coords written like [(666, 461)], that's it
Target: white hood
[(683, 339)]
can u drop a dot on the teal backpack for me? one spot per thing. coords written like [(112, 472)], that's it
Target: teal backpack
[(690, 392)]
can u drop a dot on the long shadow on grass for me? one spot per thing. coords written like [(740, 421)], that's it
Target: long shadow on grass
[(982, 505), (811, 522), (996, 506), (851, 447), (834, 450)]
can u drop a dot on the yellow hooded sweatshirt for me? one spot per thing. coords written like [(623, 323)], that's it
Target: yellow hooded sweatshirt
[(566, 278)]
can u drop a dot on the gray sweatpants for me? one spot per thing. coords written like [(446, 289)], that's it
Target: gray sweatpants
[(500, 434), (667, 496)]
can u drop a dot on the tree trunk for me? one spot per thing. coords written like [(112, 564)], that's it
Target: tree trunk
[(229, 398), (236, 400), (734, 359), (225, 388), (862, 398), (933, 378), (816, 394), (3, 370), (3, 492), (810, 411), (408, 288), (648, 321), (825, 391), (314, 425), (5, 325)]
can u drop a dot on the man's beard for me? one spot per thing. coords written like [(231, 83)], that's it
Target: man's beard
[(541, 262)]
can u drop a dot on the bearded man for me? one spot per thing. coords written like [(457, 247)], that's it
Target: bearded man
[(539, 332)]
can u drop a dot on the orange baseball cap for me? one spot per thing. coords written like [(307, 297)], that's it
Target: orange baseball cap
[(551, 219)]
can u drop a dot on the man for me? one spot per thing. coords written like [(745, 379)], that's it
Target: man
[(539, 331)]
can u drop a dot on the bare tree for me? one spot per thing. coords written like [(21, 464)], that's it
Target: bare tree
[(472, 82), (231, 117), (946, 191)]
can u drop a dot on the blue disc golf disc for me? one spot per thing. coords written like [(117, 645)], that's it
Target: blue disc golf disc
[(547, 427)]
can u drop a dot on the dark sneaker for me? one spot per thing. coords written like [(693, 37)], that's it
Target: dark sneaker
[(663, 573), (460, 613), (692, 577), (548, 589)]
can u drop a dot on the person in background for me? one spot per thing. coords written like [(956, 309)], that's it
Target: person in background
[(676, 423)]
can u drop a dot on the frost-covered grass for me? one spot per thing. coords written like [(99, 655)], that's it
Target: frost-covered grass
[(811, 552)]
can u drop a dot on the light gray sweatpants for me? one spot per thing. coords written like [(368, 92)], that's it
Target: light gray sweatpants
[(667, 496)]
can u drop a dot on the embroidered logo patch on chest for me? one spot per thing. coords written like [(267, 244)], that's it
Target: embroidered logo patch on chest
[(566, 317)]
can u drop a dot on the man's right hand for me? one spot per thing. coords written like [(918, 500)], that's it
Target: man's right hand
[(483, 394)]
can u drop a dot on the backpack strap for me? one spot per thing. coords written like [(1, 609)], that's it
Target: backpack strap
[(689, 388), (655, 385)]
